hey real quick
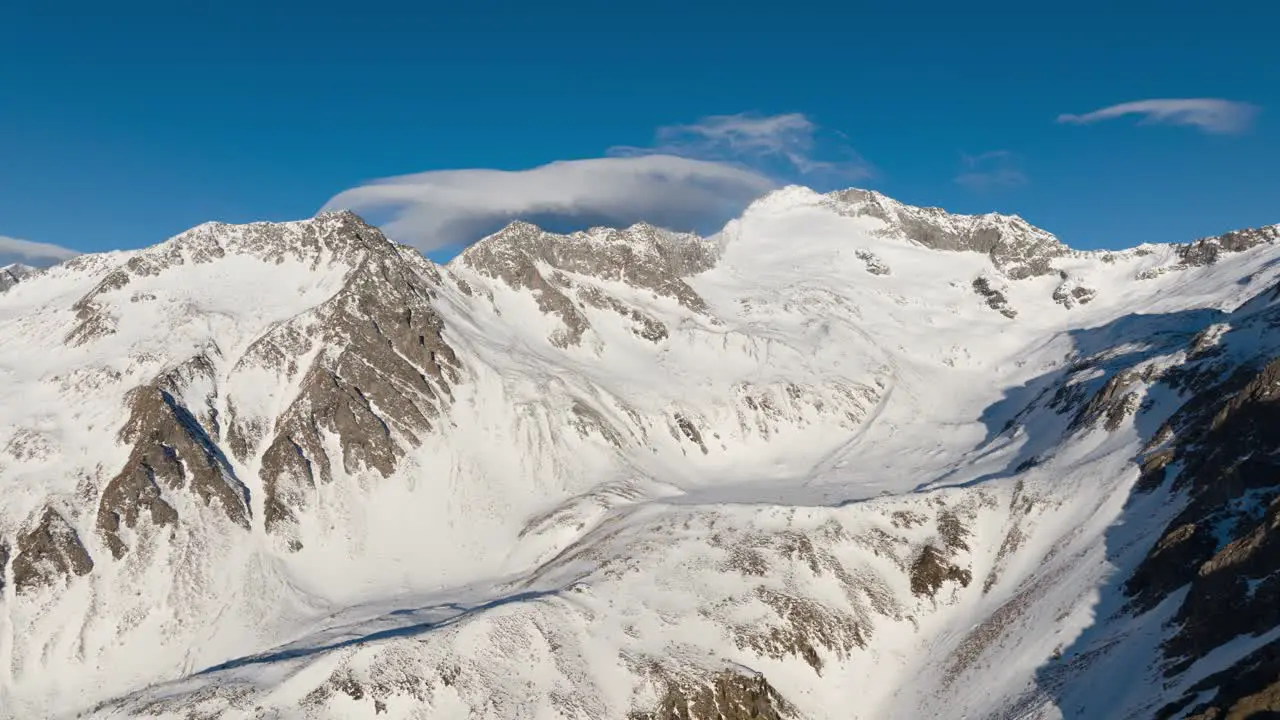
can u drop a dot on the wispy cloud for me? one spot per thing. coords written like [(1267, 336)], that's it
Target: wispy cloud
[(789, 146), (32, 253), (990, 170), (1209, 115), (448, 208)]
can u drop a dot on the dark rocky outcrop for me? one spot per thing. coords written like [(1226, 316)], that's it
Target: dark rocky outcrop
[(48, 554), (1248, 690), (642, 325), (11, 275), (689, 431), (1068, 295), (1224, 546), (875, 265), (383, 387), (931, 570), (92, 320), (525, 257), (797, 625), (1111, 405), (1017, 248), (512, 256), (171, 451), (176, 441), (1207, 251), (996, 300), (727, 695), (380, 383)]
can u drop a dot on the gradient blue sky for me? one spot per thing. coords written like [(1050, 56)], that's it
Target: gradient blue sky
[(124, 123)]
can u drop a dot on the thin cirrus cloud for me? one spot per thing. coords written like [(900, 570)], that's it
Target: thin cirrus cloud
[(789, 145), (692, 177), (991, 170), (1209, 115), (32, 253)]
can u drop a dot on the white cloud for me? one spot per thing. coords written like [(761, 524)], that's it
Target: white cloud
[(33, 253), (448, 208), (693, 177), (782, 145), (1210, 115), (990, 170)]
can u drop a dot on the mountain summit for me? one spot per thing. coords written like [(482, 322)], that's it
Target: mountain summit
[(13, 274), (847, 457), (1015, 247)]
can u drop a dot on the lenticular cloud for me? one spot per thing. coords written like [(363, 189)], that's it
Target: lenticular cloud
[(449, 208), (1209, 115)]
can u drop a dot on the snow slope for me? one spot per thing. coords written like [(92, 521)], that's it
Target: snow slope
[(847, 458)]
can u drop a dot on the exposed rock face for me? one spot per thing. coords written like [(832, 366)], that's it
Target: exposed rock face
[(48, 554), (1017, 248), (378, 386), (996, 299), (1225, 544), (1221, 550), (11, 275), (1111, 405), (525, 257), (330, 237), (1249, 690), (642, 324), (382, 388), (875, 265), (1070, 293), (724, 696), (689, 431), (932, 567), (931, 570), (171, 451), (1206, 251)]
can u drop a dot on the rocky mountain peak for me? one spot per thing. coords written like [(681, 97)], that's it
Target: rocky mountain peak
[(642, 256), (604, 252), (1207, 251), (1017, 248), (340, 241), (342, 235), (11, 275)]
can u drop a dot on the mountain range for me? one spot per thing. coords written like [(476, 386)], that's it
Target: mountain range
[(846, 458)]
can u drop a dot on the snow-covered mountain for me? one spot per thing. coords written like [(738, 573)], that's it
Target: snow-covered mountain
[(846, 458), (13, 274)]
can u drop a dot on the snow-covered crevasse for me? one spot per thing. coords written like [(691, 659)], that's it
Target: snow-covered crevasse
[(656, 462)]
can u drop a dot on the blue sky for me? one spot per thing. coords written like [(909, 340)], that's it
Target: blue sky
[(122, 124)]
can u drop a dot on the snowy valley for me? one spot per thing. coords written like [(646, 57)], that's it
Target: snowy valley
[(847, 458)]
